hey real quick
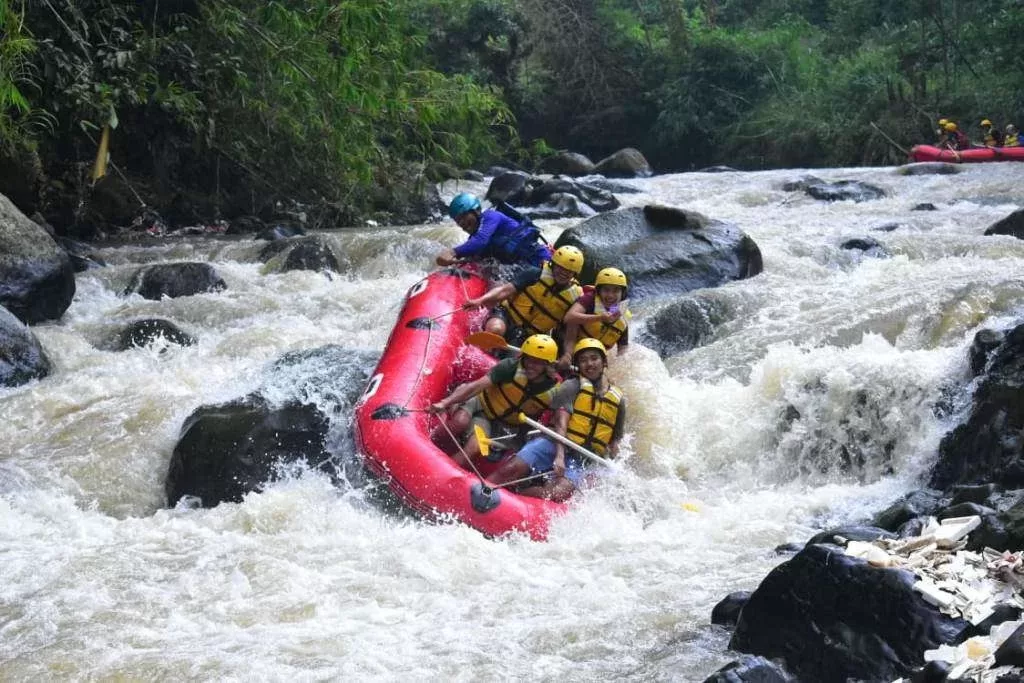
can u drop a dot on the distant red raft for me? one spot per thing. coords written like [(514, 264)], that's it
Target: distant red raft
[(972, 155), (424, 357)]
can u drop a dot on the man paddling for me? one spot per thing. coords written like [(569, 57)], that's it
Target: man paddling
[(590, 411), (494, 401)]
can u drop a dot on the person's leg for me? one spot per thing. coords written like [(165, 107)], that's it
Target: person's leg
[(457, 422), (559, 489), (538, 456)]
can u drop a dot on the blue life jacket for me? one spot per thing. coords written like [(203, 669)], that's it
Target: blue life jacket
[(516, 241)]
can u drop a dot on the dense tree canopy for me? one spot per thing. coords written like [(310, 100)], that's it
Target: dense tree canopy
[(322, 99)]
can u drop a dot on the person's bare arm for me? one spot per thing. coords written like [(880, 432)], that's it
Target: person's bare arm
[(461, 393), (492, 296)]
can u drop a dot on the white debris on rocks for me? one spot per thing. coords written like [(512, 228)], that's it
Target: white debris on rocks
[(960, 583)]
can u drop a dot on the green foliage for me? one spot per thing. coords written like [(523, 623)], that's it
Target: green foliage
[(18, 119)]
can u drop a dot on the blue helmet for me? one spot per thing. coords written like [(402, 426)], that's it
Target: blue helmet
[(462, 203)]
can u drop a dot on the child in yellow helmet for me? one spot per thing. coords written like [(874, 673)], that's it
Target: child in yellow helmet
[(601, 313)]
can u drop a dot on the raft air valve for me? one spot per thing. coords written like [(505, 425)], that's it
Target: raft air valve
[(483, 498)]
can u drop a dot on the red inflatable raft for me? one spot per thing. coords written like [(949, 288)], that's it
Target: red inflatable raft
[(972, 155), (424, 357)]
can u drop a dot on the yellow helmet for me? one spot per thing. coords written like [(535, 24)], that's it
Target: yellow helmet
[(950, 126), (943, 122), (589, 343), (569, 258), (540, 346), (986, 122), (610, 276)]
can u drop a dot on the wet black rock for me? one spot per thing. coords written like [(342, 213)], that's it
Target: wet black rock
[(973, 493), (887, 227), (964, 510), (83, 256), (989, 446), (1011, 225), (932, 672), (1011, 652), (924, 206), (146, 331), (869, 245), (851, 533), (985, 342), (832, 617), (801, 184), (750, 669), (311, 252), (727, 611), (843, 190), (175, 280), (21, 356), (914, 504), (682, 325), (557, 197), (788, 548), (230, 449), (718, 169), (664, 250), (37, 279)]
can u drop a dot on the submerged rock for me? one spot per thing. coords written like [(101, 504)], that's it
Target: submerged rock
[(843, 190), (664, 250), (749, 669), (175, 280), (146, 331)]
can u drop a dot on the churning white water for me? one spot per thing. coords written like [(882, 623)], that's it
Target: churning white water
[(813, 403)]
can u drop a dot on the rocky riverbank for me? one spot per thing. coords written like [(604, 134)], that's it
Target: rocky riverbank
[(910, 593)]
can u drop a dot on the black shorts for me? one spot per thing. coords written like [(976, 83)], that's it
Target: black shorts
[(514, 334)]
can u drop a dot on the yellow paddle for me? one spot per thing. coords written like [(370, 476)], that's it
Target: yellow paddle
[(488, 341)]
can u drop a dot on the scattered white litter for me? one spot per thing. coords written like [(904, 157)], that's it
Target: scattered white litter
[(960, 583)]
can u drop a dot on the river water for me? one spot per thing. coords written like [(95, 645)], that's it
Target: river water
[(815, 402)]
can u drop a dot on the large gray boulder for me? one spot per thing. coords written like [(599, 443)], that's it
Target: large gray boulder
[(37, 279), (21, 357), (626, 163), (664, 250)]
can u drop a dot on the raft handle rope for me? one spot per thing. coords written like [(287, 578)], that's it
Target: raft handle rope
[(472, 465)]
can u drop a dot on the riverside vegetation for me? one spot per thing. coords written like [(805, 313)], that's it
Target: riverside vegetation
[(221, 108)]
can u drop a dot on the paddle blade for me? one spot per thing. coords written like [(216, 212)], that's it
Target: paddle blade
[(482, 442), (488, 341)]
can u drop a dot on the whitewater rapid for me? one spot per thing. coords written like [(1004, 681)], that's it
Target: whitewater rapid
[(813, 403)]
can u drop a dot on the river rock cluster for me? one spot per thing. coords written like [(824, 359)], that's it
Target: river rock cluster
[(927, 590)]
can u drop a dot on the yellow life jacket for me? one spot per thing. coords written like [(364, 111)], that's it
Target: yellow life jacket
[(592, 422), (990, 140), (1011, 141), (541, 306), (505, 401), (607, 333)]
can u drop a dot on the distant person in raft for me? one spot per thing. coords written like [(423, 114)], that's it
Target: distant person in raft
[(955, 138), (590, 411), (602, 313), (493, 234), (515, 385), (1011, 139), (535, 301), (990, 135)]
